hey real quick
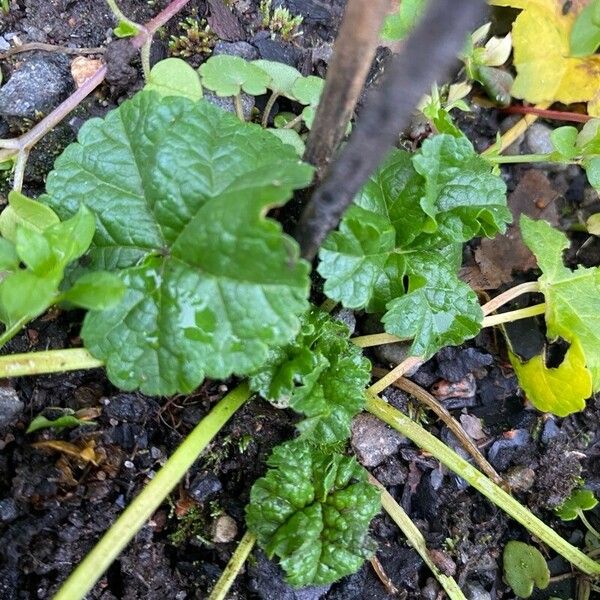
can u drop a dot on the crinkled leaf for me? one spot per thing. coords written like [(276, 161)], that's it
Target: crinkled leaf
[(547, 69), (561, 390), (581, 499), (174, 77), (572, 297), (25, 212), (281, 77), (462, 196), (524, 567), (438, 310), (399, 24), (229, 75), (180, 191), (312, 510), (320, 375)]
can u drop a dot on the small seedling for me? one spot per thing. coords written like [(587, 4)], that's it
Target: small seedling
[(197, 39), (524, 568), (174, 77), (400, 23), (68, 419), (280, 21), (575, 505)]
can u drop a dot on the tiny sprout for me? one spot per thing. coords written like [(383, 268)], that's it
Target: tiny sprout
[(573, 507), (524, 567)]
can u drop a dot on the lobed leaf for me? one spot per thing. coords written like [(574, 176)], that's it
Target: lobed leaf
[(229, 75), (580, 500), (180, 190), (312, 510), (524, 567)]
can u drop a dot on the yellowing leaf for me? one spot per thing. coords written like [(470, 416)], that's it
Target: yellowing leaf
[(547, 71), (562, 390)]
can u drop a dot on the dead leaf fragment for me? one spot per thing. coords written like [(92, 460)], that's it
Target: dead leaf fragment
[(83, 68), (86, 454)]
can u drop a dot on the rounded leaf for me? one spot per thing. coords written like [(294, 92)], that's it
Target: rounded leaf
[(229, 75)]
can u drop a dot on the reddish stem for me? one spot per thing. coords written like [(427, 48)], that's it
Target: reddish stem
[(557, 115)]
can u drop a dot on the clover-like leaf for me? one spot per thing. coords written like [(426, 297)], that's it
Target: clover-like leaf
[(229, 75), (579, 500), (174, 77), (524, 567), (308, 90), (572, 296), (320, 375), (312, 510), (281, 77), (560, 390), (180, 190), (438, 310)]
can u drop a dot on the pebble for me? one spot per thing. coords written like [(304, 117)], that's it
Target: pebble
[(502, 451), (242, 49), (394, 354), (10, 407), (538, 139), (520, 478), (229, 105), (8, 510), (475, 591), (346, 316), (373, 441), (224, 530), (35, 88), (277, 50), (203, 486)]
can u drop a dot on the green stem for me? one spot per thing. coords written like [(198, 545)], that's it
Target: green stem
[(502, 299), (480, 482), (233, 567), (239, 110), (526, 158), (83, 578), (10, 333), (145, 58), (49, 361), (584, 520), (119, 15), (514, 315), (268, 108), (398, 371), (375, 339), (416, 540)]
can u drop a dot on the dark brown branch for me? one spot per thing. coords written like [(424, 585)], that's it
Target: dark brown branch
[(353, 54), (428, 56)]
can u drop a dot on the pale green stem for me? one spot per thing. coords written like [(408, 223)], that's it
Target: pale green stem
[(416, 540), (480, 482), (268, 108), (233, 567), (145, 58), (239, 110), (328, 305), (375, 339), (514, 315), (591, 529), (119, 15), (49, 361), (525, 158), (398, 371), (291, 124), (502, 299), (10, 333), (84, 577)]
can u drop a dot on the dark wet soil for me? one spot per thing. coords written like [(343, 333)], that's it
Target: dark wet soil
[(54, 506)]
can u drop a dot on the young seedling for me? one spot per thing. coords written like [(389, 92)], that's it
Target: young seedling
[(280, 20), (197, 38), (69, 418), (524, 568), (575, 505), (174, 77)]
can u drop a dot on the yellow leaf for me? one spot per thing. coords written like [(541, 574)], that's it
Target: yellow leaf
[(546, 72), (87, 454), (562, 390)]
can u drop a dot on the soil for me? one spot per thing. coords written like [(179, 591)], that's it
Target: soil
[(55, 505)]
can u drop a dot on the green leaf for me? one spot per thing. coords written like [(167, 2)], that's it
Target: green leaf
[(25, 295), (592, 171), (321, 375), (291, 138), (585, 34), (282, 78), (308, 90), (564, 140), (399, 24), (312, 510), (63, 422), (580, 500), (99, 290), (562, 390), (524, 567), (8, 256), (438, 310), (126, 29), (211, 283), (572, 297), (174, 77), (463, 197), (25, 212), (229, 75)]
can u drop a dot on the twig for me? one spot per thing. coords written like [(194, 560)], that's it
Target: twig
[(558, 115), (428, 55), (398, 371), (21, 146), (33, 46), (387, 583), (453, 425), (500, 300), (353, 54)]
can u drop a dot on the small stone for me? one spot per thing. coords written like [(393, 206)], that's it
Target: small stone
[(8, 510), (82, 68), (373, 441), (224, 530), (394, 354), (277, 50), (520, 478), (550, 431), (228, 104), (475, 591), (35, 88), (10, 407), (346, 316), (203, 486), (473, 427), (504, 450), (538, 139), (241, 49)]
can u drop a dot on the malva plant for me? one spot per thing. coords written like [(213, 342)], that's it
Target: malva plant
[(206, 285)]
